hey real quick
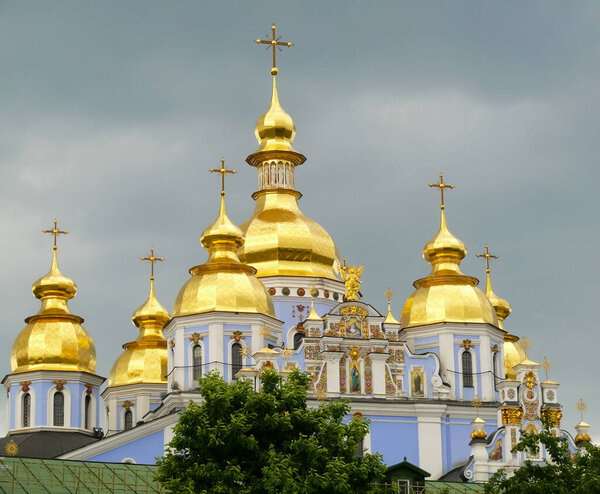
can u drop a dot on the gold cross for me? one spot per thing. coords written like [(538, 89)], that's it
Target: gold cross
[(152, 258), (275, 45), (442, 186), (223, 171), (55, 232), (487, 256)]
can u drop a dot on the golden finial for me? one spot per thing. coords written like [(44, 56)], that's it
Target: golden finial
[(55, 232), (286, 354), (477, 404), (487, 256), (525, 344), (351, 278), (152, 259), (389, 294), (273, 44), (546, 366), (442, 186), (222, 171), (581, 406)]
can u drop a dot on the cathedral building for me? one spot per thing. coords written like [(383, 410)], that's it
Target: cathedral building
[(446, 386)]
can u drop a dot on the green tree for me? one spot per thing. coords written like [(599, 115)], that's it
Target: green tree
[(241, 441), (577, 473)]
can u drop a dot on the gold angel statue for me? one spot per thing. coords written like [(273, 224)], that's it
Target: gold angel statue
[(351, 277)]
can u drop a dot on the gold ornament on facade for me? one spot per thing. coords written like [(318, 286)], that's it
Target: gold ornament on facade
[(354, 353), (321, 394), (582, 437), (467, 344), (25, 386), (553, 415), (265, 331), (127, 404), (478, 434), (54, 338), (446, 294), (390, 319), (477, 404), (530, 380), (11, 448), (60, 384), (246, 351), (237, 336), (195, 338), (351, 278), (287, 353), (511, 416)]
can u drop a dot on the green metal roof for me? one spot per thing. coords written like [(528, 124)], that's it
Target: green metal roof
[(32, 476), (433, 486)]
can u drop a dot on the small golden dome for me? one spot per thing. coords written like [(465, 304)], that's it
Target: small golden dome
[(513, 355), (446, 295), (501, 306), (223, 283), (145, 359), (390, 319), (275, 129), (53, 338)]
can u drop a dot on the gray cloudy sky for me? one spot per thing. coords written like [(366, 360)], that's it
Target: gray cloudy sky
[(113, 111)]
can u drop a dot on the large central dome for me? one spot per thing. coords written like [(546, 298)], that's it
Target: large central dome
[(280, 240)]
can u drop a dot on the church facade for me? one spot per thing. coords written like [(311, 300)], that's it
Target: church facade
[(445, 385)]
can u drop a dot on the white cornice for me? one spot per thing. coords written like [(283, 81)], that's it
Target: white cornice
[(53, 375), (209, 318)]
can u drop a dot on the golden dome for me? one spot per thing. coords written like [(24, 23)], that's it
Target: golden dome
[(280, 240), (275, 129), (53, 338), (145, 359), (513, 355), (446, 295), (223, 283)]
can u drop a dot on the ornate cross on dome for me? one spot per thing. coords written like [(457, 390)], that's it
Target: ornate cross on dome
[(223, 171), (152, 259), (55, 232), (275, 45), (442, 186), (487, 256)]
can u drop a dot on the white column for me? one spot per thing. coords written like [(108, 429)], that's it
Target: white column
[(485, 365), (333, 372), (447, 360), (215, 347), (179, 358), (378, 369), (429, 427)]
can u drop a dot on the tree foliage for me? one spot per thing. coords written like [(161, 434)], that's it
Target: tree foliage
[(566, 472), (241, 441)]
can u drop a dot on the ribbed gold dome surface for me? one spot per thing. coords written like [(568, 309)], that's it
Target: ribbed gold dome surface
[(223, 283), (513, 355), (446, 295), (281, 241), (53, 338), (145, 359)]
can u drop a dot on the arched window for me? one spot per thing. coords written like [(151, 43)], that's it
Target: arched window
[(59, 409), (87, 412), (128, 417), (197, 361), (467, 369), (26, 410), (298, 338), (236, 358)]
